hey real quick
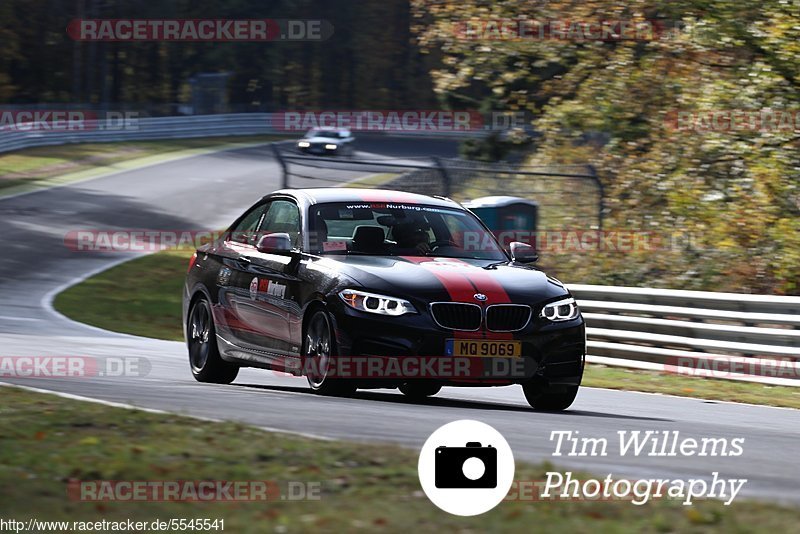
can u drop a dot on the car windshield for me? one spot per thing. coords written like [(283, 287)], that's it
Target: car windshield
[(333, 134), (388, 229)]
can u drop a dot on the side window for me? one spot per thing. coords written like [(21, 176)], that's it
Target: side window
[(282, 216), (245, 231)]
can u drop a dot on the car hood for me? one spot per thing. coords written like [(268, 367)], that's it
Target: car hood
[(432, 279)]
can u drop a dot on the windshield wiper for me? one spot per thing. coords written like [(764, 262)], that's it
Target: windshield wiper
[(495, 265)]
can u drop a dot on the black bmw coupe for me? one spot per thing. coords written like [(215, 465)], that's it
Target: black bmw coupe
[(379, 289)]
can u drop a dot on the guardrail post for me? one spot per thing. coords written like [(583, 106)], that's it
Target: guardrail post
[(284, 166), (601, 202), (446, 178)]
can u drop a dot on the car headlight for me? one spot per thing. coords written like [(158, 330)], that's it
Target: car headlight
[(304, 144), (331, 147), (372, 303), (562, 310)]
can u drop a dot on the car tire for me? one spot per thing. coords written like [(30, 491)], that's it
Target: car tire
[(201, 338), (319, 352), (549, 400), (419, 390)]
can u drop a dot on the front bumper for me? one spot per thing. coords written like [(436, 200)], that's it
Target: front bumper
[(318, 150), (386, 351)]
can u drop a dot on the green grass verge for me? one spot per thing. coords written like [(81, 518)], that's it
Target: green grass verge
[(143, 297), (706, 388), (140, 297), (47, 441), (373, 180), (41, 167)]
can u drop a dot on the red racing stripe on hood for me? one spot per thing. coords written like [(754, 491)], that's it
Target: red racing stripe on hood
[(469, 280), (485, 283), (462, 281), (456, 284)]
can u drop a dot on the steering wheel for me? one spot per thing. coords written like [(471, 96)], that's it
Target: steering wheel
[(443, 243)]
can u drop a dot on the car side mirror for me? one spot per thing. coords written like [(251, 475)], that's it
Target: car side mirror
[(523, 252), (278, 243)]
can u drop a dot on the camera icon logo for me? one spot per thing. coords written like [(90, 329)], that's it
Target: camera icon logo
[(472, 466), (466, 467)]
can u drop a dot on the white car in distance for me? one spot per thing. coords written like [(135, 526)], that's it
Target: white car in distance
[(327, 142)]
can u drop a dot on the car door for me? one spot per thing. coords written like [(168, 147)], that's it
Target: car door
[(233, 278), (272, 315)]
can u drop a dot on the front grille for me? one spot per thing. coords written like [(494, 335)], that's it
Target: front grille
[(507, 317), (457, 316)]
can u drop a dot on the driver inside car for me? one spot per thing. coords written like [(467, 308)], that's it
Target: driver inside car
[(412, 239)]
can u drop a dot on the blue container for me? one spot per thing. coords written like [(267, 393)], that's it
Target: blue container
[(509, 218), (503, 213)]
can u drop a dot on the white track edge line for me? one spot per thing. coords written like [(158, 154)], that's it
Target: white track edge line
[(125, 406)]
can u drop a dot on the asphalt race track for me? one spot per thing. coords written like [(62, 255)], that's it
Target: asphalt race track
[(208, 191)]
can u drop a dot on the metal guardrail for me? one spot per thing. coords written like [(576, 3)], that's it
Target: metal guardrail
[(721, 335), (178, 127), (146, 128)]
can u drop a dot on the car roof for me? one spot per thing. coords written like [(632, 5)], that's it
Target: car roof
[(323, 195)]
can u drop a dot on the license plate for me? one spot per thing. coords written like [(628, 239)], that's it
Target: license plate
[(479, 348)]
